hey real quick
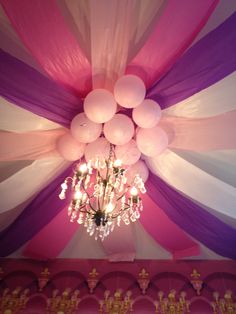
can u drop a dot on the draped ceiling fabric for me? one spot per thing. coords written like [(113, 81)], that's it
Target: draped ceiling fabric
[(52, 53)]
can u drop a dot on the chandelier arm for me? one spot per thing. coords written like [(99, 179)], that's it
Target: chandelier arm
[(122, 194), (82, 183), (84, 211), (101, 179)]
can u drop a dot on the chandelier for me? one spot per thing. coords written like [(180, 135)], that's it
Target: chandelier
[(225, 305), (171, 304), (102, 196), (14, 301), (116, 304)]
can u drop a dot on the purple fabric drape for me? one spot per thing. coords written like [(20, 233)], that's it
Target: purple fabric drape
[(44, 207), (24, 86), (208, 61), (193, 219)]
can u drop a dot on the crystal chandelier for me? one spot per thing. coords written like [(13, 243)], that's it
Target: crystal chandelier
[(102, 196)]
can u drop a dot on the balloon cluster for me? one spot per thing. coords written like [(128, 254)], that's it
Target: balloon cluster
[(100, 107)]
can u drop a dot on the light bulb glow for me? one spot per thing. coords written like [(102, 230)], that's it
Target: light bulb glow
[(78, 195), (83, 168), (109, 208), (117, 163), (133, 191)]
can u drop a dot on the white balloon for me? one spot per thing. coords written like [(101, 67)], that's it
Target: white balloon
[(147, 114), (69, 148), (152, 142), (129, 91), (139, 168), (100, 105), (128, 153), (85, 130), (98, 149), (119, 130)]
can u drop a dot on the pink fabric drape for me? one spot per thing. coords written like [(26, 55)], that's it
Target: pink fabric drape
[(51, 240), (179, 24), (120, 245), (165, 232), (45, 33), (29, 146), (204, 134)]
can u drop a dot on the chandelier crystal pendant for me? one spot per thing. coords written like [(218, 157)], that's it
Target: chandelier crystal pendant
[(102, 197)]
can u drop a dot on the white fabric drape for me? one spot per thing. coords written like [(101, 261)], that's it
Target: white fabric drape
[(9, 216), (14, 118), (117, 35), (194, 182), (116, 29), (146, 247), (220, 164), (28, 181), (214, 100)]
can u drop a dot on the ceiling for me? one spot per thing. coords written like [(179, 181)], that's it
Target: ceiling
[(204, 175)]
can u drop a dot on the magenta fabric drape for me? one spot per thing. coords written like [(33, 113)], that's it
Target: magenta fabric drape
[(45, 33)]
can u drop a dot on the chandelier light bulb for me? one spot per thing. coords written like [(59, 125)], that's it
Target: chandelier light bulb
[(83, 168), (78, 195), (109, 208), (133, 191), (117, 163)]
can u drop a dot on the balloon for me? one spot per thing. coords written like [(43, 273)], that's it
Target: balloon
[(69, 148), (98, 149), (147, 114), (128, 153), (100, 105), (129, 91), (119, 130), (84, 130), (139, 168), (151, 142)]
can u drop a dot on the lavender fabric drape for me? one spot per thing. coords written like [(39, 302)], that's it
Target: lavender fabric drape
[(193, 219), (43, 208), (208, 61), (24, 86)]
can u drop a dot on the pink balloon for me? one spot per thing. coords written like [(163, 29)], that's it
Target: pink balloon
[(128, 153), (139, 168), (148, 114), (119, 130), (100, 105), (129, 91), (151, 142), (84, 130), (69, 148), (98, 149)]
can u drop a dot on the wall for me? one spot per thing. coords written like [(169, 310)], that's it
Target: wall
[(163, 275)]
